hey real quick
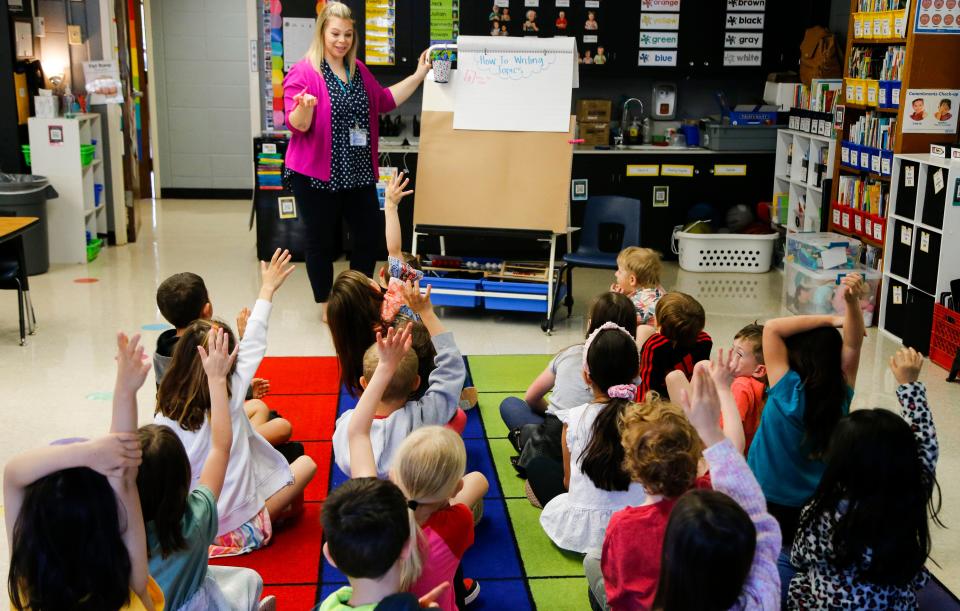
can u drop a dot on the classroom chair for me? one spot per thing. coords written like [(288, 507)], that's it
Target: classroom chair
[(13, 276), (610, 224)]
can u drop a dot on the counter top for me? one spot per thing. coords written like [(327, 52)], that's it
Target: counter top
[(589, 150)]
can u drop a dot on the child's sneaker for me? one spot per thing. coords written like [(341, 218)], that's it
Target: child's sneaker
[(472, 589)]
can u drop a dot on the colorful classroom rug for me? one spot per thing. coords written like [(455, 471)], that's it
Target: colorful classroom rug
[(517, 566)]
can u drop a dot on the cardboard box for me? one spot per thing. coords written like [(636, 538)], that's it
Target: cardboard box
[(593, 133), (594, 111)]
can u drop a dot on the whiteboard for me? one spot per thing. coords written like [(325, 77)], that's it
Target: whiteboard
[(514, 84), (297, 36)]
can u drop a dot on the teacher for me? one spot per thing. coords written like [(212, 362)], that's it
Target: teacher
[(331, 105)]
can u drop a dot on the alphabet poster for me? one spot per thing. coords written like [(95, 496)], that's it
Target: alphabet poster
[(514, 84)]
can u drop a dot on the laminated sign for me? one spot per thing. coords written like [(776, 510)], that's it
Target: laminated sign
[(745, 21), (659, 40), (743, 40), (662, 6), (660, 21), (742, 58), (651, 57), (746, 5)]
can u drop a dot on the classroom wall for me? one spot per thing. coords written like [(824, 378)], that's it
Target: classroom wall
[(201, 72)]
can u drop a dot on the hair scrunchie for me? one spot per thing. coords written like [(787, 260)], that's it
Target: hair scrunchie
[(623, 391), (413, 505), (592, 336)]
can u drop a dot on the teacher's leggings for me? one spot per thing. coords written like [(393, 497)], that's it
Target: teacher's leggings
[(321, 212)]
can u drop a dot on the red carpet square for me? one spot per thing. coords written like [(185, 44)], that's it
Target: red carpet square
[(293, 557), (301, 375), (312, 416), (292, 598), (322, 453)]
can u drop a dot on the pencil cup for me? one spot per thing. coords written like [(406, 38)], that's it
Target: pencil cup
[(441, 70)]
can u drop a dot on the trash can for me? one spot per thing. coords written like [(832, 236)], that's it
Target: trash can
[(27, 195)]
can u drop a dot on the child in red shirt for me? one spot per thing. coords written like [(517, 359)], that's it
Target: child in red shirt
[(662, 450), (678, 344)]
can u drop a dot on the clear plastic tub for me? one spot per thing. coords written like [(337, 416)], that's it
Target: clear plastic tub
[(822, 250), (808, 291)]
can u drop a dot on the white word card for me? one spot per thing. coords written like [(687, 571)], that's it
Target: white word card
[(660, 21), (743, 40), (742, 58), (745, 21), (657, 58), (659, 40)]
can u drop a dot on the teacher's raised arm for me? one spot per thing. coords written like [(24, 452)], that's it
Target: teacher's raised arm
[(331, 105)]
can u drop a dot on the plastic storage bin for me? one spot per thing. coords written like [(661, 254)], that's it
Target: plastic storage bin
[(724, 252), (742, 137), (93, 248), (808, 249), (87, 152), (808, 291), (458, 284), (516, 305), (944, 336)]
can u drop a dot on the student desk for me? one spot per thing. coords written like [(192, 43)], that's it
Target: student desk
[(13, 228)]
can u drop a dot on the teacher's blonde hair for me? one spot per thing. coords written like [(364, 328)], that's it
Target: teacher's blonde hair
[(315, 52)]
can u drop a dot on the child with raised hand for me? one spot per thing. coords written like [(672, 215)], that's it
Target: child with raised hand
[(74, 526), (638, 277), (580, 494), (720, 547), (429, 468), (397, 415), (812, 371), (182, 524), (661, 452), (401, 267), (260, 487), (865, 536)]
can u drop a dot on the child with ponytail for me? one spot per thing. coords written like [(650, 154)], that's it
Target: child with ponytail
[(429, 468), (579, 496)]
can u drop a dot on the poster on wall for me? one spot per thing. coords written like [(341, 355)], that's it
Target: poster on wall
[(380, 40), (103, 82), (938, 17), (931, 111), (297, 36), (444, 21)]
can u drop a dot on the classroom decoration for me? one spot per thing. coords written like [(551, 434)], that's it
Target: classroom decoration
[(743, 38), (297, 36), (380, 39), (505, 84), (272, 33), (938, 17), (931, 111), (444, 21), (659, 40), (103, 82)]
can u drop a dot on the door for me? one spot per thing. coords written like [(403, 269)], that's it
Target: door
[(141, 107), (131, 149)]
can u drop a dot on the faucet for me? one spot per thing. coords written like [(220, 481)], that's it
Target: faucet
[(623, 120)]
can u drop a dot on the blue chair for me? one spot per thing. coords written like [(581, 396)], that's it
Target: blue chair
[(611, 223)]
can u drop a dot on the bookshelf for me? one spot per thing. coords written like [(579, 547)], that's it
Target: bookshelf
[(871, 134), (801, 175)]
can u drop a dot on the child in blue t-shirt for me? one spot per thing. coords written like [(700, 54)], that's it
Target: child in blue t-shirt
[(812, 371)]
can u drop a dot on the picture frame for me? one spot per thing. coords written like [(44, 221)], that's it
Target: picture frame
[(579, 190)]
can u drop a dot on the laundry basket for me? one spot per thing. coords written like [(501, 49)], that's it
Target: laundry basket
[(723, 252)]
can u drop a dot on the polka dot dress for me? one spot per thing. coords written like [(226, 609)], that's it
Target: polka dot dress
[(350, 166)]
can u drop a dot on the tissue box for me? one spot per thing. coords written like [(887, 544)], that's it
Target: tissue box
[(46, 106), (807, 291), (823, 250)]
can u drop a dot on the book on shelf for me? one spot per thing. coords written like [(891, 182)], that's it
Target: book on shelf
[(873, 131), (865, 194), (874, 6)]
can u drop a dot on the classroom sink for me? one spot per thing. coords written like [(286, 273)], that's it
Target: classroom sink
[(653, 147)]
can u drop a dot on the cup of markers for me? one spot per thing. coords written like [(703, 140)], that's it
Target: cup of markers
[(441, 70)]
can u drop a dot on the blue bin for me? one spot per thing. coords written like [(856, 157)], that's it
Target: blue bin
[(516, 305), (460, 284)]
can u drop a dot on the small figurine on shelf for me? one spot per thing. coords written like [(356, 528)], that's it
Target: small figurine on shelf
[(561, 22), (503, 30), (600, 57), (494, 14), (530, 25), (591, 24), (587, 56), (495, 28), (505, 15)]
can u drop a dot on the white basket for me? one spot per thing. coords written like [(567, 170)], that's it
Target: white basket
[(723, 252)]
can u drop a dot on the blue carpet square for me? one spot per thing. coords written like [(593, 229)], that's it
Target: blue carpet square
[(474, 428), (478, 459), (331, 574), (502, 594), (492, 554), (337, 476)]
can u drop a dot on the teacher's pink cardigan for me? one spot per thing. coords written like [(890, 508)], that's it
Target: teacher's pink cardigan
[(309, 152)]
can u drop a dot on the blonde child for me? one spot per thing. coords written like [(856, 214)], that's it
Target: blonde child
[(580, 495), (74, 527), (812, 370), (638, 277), (260, 486), (429, 468), (397, 415)]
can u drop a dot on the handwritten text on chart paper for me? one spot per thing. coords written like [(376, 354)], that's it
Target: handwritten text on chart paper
[(510, 66)]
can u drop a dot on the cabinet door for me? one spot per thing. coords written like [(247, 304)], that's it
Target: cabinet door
[(916, 335)]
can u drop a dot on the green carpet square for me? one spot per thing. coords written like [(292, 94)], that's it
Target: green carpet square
[(541, 558), (511, 484), (506, 373), (489, 403), (560, 594)]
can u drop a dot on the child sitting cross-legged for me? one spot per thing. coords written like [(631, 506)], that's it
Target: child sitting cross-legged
[(397, 416), (864, 538), (183, 298), (260, 487), (429, 468), (662, 451), (720, 547), (638, 277), (368, 536), (750, 379), (678, 343)]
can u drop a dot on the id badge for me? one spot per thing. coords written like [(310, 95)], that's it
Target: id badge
[(358, 137)]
